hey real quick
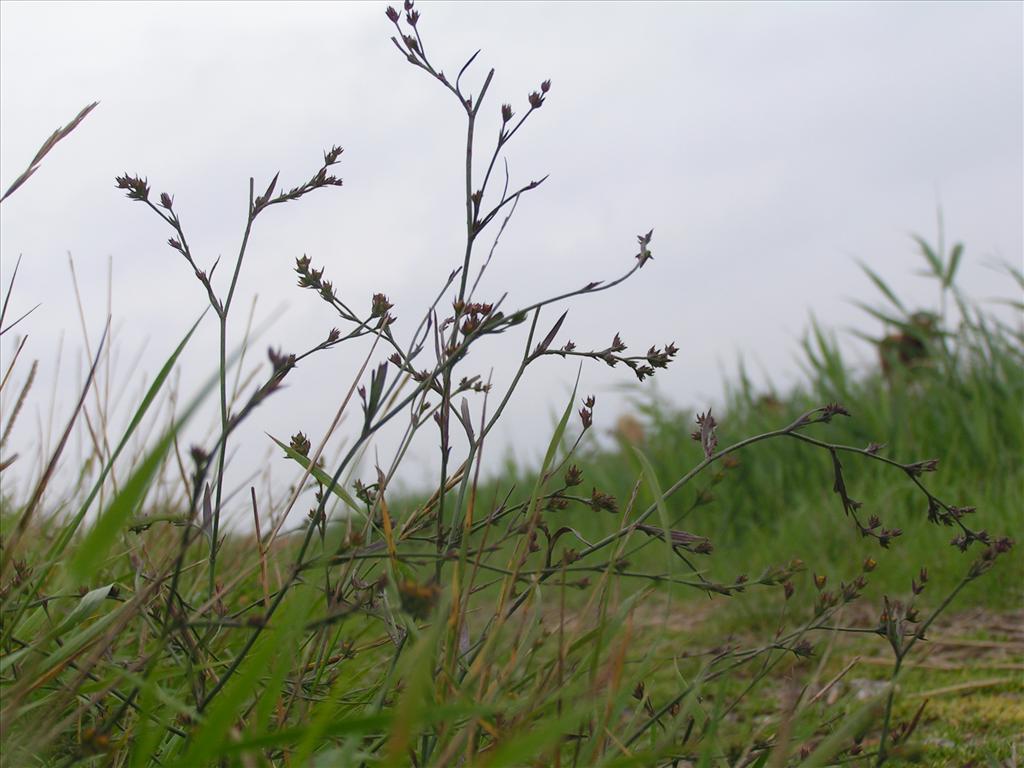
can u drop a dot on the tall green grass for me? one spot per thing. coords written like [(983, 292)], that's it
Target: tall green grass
[(963, 404)]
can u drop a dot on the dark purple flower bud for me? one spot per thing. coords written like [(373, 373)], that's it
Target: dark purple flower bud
[(392, 14), (506, 112), (573, 476), (300, 444), (536, 100), (833, 409), (587, 417), (166, 200), (380, 305), (331, 156), (603, 501), (545, 86)]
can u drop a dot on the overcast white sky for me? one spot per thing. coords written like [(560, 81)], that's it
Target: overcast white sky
[(771, 146)]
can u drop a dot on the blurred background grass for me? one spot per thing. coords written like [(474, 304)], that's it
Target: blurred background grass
[(960, 400)]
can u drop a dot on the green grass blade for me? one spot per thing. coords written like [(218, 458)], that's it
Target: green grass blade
[(321, 477), (659, 500), (853, 725), (137, 417), (934, 262), (954, 262), (881, 285), (279, 643)]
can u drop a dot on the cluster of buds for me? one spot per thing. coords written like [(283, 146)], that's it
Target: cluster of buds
[(320, 179), (316, 515), (936, 514), (313, 279), (556, 504), (367, 593), (573, 476), (920, 467), (412, 17), (847, 592), (779, 574), (878, 531), (281, 365), (645, 252), (175, 243), (379, 307), (599, 500), (137, 188), (300, 444), (826, 412), (199, 456), (22, 573), (803, 649), (988, 558), (705, 433), (700, 545), (893, 622), (366, 493), (617, 345), (537, 97), (472, 384), (587, 412), (642, 365), (281, 362), (823, 415), (472, 315)]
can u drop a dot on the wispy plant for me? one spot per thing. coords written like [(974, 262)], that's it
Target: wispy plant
[(481, 624)]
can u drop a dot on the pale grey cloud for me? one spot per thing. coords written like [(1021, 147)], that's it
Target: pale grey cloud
[(769, 145)]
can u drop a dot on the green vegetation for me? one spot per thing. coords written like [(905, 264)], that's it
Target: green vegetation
[(777, 588)]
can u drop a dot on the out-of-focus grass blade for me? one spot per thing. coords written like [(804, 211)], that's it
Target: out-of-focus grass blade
[(94, 547), (933, 260), (86, 607), (417, 698), (881, 285), (555, 441), (349, 725), (140, 413), (954, 262), (90, 554), (879, 315), (289, 639), (711, 745), (61, 541), (659, 500), (525, 748), (71, 645), (840, 738), (274, 643), (321, 477)]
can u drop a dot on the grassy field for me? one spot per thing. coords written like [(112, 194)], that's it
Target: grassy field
[(791, 580), (651, 655)]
